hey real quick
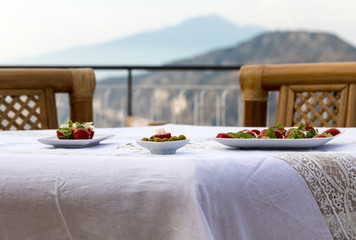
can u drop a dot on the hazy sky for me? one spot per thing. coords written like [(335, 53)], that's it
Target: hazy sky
[(41, 26)]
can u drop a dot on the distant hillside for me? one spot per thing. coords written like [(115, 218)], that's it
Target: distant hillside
[(190, 38), (268, 48), (281, 47)]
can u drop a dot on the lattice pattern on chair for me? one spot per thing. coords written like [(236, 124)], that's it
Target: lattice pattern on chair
[(18, 111), (314, 105), (28, 97), (257, 81), (316, 108)]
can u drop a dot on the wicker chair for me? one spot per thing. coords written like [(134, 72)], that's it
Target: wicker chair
[(27, 97), (317, 94)]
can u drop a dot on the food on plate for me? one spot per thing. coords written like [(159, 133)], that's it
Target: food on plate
[(76, 130), (295, 133), (320, 136), (253, 132), (163, 136), (332, 131), (279, 131), (271, 133), (224, 135)]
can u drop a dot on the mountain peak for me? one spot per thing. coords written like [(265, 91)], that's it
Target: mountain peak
[(208, 19)]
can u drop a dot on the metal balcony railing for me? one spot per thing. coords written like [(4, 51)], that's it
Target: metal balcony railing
[(131, 68)]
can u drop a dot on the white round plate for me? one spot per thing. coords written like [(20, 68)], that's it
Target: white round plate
[(74, 143), (169, 147), (273, 143)]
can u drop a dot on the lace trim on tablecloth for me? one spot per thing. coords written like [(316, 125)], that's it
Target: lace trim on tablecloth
[(331, 178)]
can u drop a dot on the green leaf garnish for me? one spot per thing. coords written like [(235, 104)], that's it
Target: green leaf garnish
[(240, 134), (311, 133), (67, 132), (279, 126), (296, 133), (78, 125), (70, 123), (232, 134), (301, 127), (327, 134), (270, 133)]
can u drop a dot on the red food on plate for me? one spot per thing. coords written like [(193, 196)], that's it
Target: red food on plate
[(332, 131), (288, 132), (256, 131), (280, 128), (91, 132), (224, 135), (320, 136), (253, 134), (278, 133), (60, 135), (81, 133), (309, 128), (263, 132), (165, 135)]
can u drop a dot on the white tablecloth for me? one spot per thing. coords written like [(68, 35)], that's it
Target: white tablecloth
[(118, 190)]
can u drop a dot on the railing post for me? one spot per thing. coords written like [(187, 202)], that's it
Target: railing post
[(129, 92)]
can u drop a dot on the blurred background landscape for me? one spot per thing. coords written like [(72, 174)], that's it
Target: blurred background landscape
[(205, 97)]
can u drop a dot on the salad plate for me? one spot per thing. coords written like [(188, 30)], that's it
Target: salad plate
[(74, 143), (169, 147), (273, 142)]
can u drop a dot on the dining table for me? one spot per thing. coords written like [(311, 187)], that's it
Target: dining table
[(206, 190)]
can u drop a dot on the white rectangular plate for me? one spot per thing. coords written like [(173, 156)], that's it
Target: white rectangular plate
[(273, 143), (71, 143)]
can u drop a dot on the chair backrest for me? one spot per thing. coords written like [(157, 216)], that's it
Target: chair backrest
[(27, 97), (316, 94)]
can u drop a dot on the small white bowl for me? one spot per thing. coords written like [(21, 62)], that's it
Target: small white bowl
[(169, 147)]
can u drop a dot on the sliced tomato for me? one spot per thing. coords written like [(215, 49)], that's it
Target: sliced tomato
[(258, 132), (224, 135), (81, 133), (278, 133), (309, 128), (320, 136), (263, 132), (166, 135), (253, 134), (91, 133), (60, 135), (333, 131)]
